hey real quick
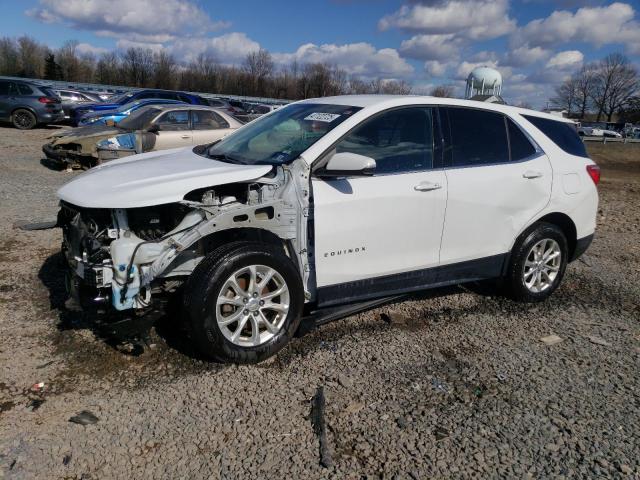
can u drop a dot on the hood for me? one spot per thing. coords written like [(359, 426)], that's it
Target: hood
[(153, 178), (87, 131)]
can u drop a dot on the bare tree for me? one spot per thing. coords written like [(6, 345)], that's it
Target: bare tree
[(138, 66), (30, 57), (443, 91), (258, 66), (584, 81), (164, 67), (9, 61), (108, 69), (615, 83), (566, 97)]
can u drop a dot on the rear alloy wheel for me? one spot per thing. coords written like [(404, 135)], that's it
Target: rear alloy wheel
[(538, 262), (244, 302), (23, 119)]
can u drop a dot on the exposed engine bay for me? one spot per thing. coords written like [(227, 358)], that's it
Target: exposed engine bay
[(126, 257)]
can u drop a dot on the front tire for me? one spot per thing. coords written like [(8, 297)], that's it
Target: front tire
[(23, 119), (244, 302), (538, 262)]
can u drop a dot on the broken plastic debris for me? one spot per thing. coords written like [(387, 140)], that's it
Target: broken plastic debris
[(37, 387), (551, 340), (85, 417)]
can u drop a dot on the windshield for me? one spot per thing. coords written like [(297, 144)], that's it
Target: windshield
[(282, 136), (140, 119)]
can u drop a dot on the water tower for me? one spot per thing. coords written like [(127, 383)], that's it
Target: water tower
[(483, 81)]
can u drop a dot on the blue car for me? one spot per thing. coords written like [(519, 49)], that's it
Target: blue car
[(111, 117), (117, 101)]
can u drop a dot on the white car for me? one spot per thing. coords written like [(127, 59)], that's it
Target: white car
[(329, 206)]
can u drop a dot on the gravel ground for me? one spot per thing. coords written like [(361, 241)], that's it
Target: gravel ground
[(458, 386)]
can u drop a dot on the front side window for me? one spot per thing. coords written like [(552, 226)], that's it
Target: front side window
[(207, 120), (477, 137), (281, 137), (174, 120), (563, 134), (399, 141)]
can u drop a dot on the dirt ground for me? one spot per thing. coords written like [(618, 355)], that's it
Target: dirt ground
[(453, 387)]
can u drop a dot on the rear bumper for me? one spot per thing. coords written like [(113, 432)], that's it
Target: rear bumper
[(51, 117), (582, 244)]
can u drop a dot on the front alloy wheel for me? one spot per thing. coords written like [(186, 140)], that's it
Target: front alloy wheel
[(252, 305)]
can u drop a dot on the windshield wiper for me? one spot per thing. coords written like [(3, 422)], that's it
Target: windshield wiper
[(225, 158)]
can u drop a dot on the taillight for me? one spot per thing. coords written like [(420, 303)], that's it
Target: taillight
[(594, 173), (47, 100)]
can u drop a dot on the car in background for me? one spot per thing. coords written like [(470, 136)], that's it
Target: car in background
[(73, 98), (111, 117), (598, 132), (154, 127), (27, 104), (118, 100), (224, 104)]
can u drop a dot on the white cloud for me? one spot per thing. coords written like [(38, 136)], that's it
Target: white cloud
[(431, 47), (229, 48), (124, 44), (361, 59), (525, 56), (566, 59), (435, 68), (597, 26), (86, 48), (142, 19), (473, 19)]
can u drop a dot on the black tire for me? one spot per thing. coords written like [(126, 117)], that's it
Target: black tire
[(23, 119), (514, 278), (204, 285)]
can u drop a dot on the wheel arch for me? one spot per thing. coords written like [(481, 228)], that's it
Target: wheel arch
[(216, 239), (564, 223), (24, 107)]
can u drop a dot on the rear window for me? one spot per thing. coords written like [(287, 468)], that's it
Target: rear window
[(563, 134)]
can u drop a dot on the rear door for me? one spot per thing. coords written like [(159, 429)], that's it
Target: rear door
[(498, 181), (208, 126), (380, 234), (174, 130)]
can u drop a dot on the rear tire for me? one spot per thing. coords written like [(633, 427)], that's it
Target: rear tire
[(23, 119), (244, 302), (538, 262)]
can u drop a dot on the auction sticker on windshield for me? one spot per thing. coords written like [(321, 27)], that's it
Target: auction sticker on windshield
[(322, 117)]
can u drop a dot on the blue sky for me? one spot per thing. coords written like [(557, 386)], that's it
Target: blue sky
[(534, 43)]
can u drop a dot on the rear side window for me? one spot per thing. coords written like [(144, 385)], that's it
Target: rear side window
[(478, 137), (521, 147), (563, 134)]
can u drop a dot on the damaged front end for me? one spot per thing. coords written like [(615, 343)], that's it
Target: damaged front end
[(124, 259)]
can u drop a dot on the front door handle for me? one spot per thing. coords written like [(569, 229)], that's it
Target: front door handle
[(427, 186), (530, 174), (185, 136)]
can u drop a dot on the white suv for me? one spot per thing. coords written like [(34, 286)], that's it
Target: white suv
[(328, 206)]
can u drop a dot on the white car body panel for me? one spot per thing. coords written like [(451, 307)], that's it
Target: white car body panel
[(152, 178), (489, 205), (373, 226)]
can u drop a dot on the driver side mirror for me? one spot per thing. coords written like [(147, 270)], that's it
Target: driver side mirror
[(347, 164), (153, 129)]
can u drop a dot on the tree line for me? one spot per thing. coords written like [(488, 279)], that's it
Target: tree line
[(257, 75), (605, 88)]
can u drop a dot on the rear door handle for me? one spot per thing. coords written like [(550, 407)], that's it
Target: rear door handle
[(531, 174), (427, 186), (185, 136)]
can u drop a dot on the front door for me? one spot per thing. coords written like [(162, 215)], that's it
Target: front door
[(380, 234), (174, 130)]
